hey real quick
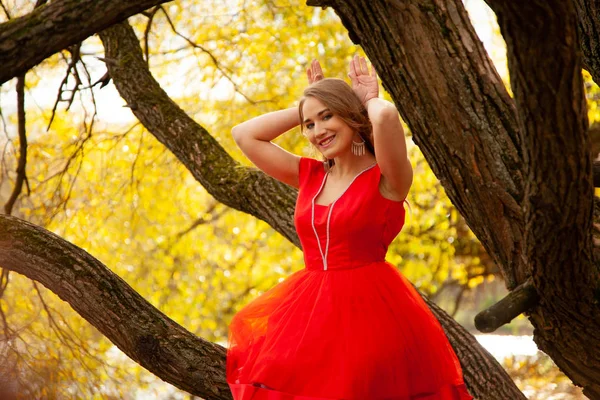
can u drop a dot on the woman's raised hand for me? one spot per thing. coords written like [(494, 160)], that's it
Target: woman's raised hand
[(314, 72), (364, 83)]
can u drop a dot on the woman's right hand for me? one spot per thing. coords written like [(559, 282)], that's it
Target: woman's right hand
[(314, 72), (364, 83)]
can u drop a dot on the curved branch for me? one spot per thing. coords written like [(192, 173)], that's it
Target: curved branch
[(244, 189), (28, 40), (106, 301)]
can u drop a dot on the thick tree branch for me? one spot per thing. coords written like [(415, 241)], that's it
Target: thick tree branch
[(159, 344), (521, 299), (26, 41), (244, 189), (140, 330)]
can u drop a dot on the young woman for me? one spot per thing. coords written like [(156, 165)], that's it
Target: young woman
[(348, 325)]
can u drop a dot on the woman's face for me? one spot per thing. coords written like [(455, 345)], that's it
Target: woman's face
[(327, 132)]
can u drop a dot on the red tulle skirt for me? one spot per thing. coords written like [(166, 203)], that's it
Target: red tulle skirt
[(362, 333)]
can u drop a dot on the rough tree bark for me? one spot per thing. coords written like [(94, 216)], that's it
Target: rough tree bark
[(28, 40), (542, 41)]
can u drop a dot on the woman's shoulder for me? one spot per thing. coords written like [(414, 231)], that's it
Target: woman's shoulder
[(308, 163), (309, 167)]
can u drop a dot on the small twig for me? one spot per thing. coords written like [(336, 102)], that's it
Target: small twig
[(21, 175), (5, 10), (112, 61), (150, 16), (102, 81), (76, 347), (319, 3), (519, 300), (71, 65), (4, 279), (224, 70), (458, 299), (133, 180), (75, 58), (57, 191), (9, 333)]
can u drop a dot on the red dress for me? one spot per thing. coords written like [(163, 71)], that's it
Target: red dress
[(349, 325)]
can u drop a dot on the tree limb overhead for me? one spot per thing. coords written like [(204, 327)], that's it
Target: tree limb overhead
[(28, 40)]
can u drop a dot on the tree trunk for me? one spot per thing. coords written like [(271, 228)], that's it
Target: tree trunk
[(558, 204), (588, 13), (26, 41), (446, 88)]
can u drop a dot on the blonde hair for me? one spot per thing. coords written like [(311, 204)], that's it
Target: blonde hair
[(341, 100)]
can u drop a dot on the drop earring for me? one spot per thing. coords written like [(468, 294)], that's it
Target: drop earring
[(358, 148)]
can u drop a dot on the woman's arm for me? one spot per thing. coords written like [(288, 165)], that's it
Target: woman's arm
[(390, 148), (254, 139), (388, 135), (255, 135)]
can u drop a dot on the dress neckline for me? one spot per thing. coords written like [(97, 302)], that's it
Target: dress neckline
[(345, 190), (329, 212)]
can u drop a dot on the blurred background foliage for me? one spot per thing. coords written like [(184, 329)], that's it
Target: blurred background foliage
[(98, 179)]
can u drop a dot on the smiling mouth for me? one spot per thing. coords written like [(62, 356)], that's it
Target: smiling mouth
[(326, 142)]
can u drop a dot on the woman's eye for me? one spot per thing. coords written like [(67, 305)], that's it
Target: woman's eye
[(310, 125), (326, 117)]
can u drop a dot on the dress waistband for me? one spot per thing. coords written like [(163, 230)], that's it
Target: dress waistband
[(317, 265)]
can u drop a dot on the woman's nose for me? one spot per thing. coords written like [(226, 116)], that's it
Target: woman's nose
[(320, 129)]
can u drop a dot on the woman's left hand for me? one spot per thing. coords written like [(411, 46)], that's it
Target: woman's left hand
[(364, 83), (314, 73)]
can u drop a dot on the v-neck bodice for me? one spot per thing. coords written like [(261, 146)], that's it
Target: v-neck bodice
[(326, 176), (353, 230)]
